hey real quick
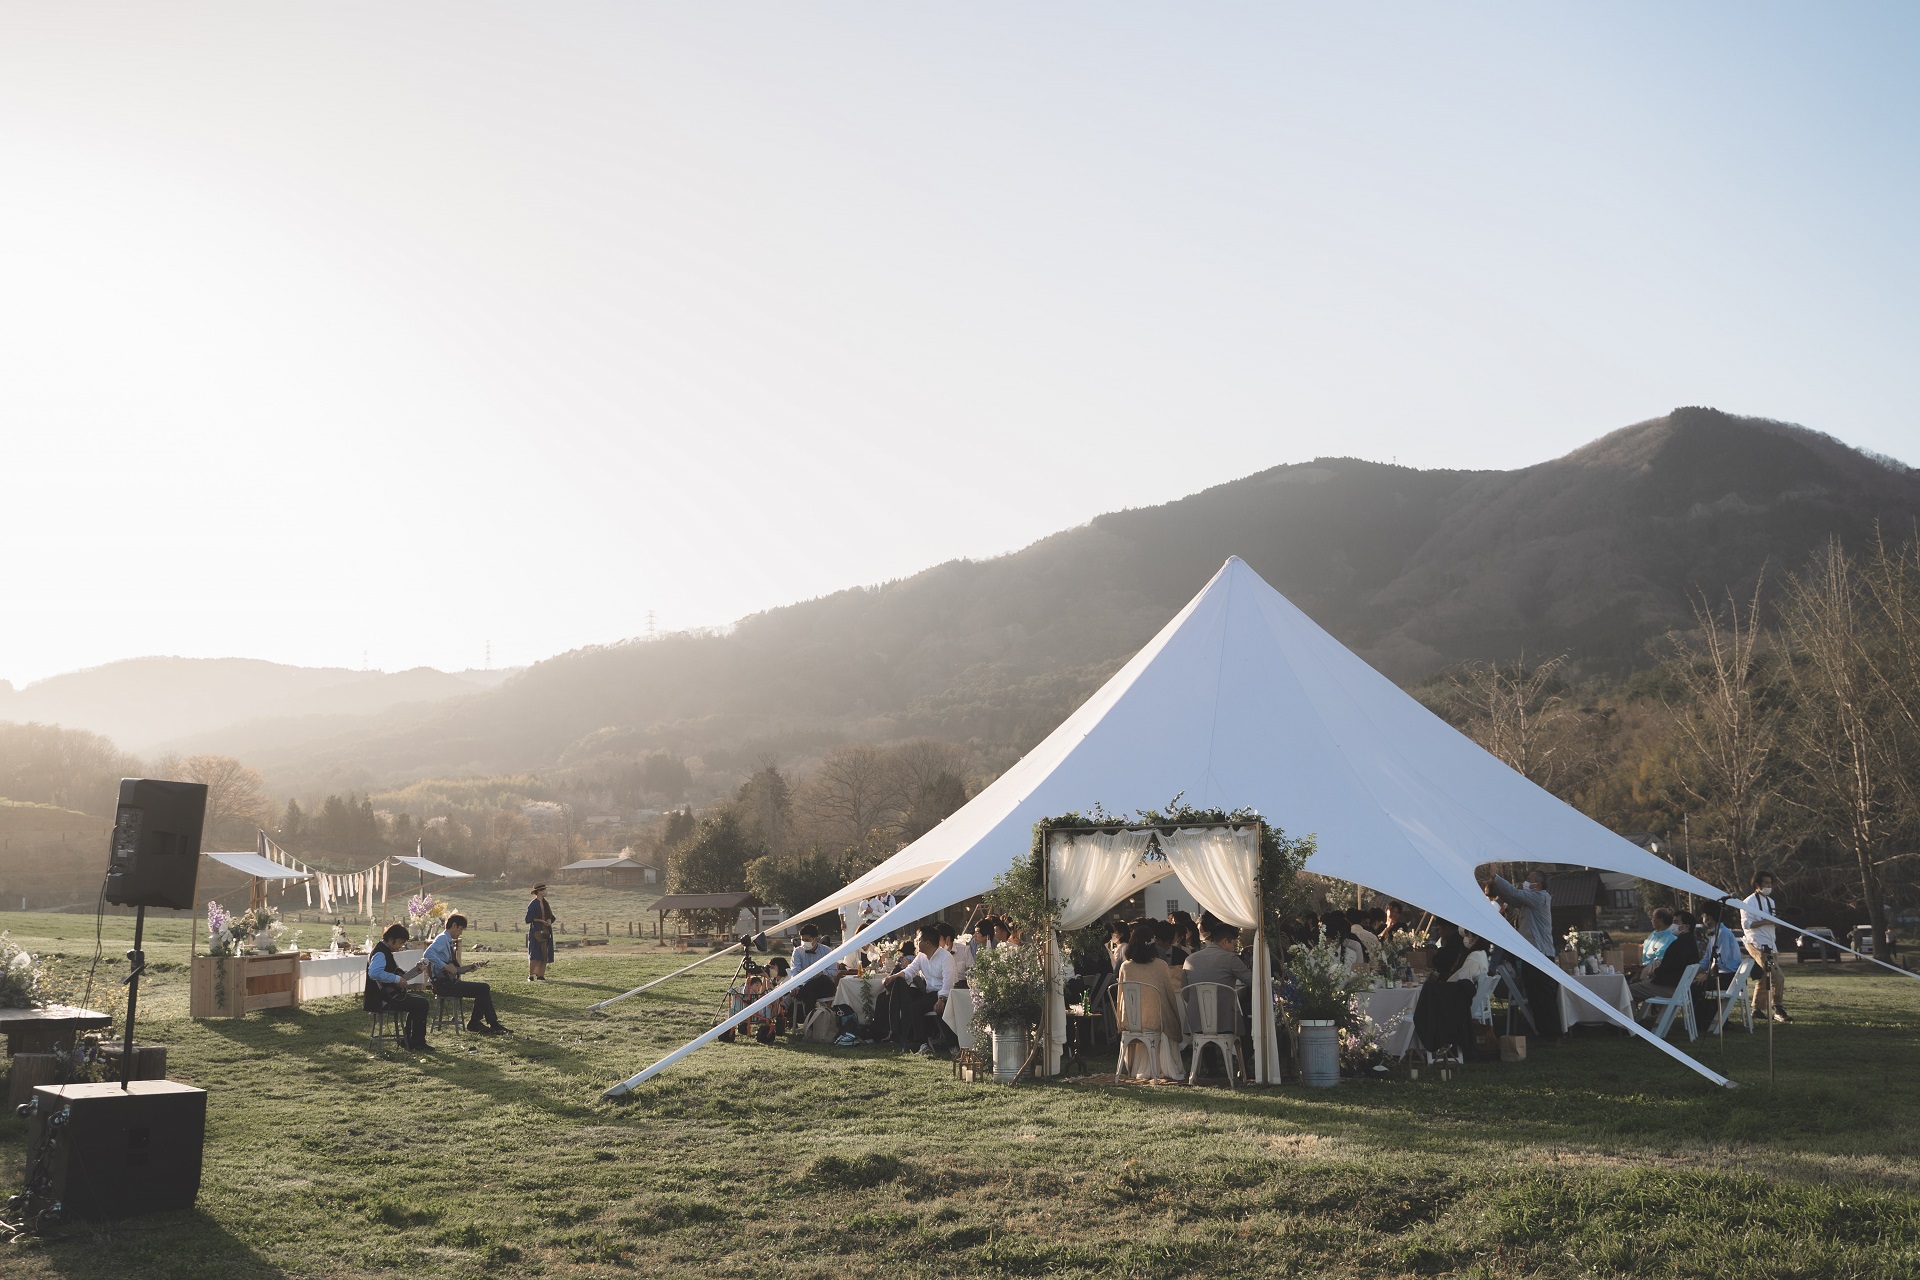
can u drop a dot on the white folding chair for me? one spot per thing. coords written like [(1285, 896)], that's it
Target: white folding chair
[(1739, 994), (1216, 1003), (1681, 1000), (1129, 1011), (1481, 1010)]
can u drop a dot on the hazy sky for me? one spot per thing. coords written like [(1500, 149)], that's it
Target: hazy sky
[(331, 328)]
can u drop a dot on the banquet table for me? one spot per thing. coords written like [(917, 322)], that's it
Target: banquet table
[(323, 976), (46, 1029), (959, 1015), (847, 992), (1608, 988), (1381, 1004)]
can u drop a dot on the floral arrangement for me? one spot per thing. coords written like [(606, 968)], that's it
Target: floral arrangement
[(339, 939), (1319, 986), (1008, 989), (1584, 946), (424, 915), (232, 933), (221, 933), (19, 977), (1363, 1046)]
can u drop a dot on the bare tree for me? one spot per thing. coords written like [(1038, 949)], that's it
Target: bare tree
[(1730, 730), (1845, 758), (1517, 712), (237, 802), (852, 797)]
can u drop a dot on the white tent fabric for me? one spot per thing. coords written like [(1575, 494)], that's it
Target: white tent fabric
[(1243, 701), (258, 867), (428, 866)]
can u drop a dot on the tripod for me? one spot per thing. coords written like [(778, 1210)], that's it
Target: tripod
[(750, 982)]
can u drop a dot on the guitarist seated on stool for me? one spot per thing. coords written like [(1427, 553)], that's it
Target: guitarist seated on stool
[(444, 968), (387, 986)]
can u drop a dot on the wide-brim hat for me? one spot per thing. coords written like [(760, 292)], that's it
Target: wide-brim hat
[(539, 888)]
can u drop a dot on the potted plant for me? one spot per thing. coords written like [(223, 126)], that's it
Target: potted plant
[(1009, 999), (1319, 1002)]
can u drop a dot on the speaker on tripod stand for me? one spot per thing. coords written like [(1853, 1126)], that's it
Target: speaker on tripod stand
[(114, 1150)]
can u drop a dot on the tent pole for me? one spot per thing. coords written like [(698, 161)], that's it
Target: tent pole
[(1049, 961), (847, 948), (595, 1008)]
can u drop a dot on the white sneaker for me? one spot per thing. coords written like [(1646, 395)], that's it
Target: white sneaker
[(926, 1050)]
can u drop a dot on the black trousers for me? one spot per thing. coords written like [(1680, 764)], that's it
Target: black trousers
[(415, 1007), (1543, 1000), (907, 1013), (480, 993), (815, 989)]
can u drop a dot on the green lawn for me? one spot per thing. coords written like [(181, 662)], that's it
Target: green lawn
[(497, 1157)]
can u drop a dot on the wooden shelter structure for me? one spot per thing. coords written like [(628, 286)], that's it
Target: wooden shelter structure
[(704, 912)]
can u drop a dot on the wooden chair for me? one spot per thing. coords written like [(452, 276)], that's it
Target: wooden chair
[(449, 1010), (386, 1026), (1129, 1012), (1209, 1005)]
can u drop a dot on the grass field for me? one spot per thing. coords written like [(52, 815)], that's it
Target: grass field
[(497, 1156)]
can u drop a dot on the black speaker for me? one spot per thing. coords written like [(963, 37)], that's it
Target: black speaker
[(156, 843), (100, 1152)]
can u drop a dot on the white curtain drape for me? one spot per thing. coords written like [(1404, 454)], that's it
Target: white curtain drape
[(1220, 866), (1092, 871)]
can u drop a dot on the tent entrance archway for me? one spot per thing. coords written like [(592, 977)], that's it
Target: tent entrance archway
[(1089, 870)]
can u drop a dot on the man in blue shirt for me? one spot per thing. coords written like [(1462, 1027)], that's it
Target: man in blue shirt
[(386, 987), (1659, 940), (1533, 916), (444, 968)]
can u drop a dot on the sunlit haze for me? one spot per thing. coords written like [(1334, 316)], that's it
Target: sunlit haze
[(348, 332)]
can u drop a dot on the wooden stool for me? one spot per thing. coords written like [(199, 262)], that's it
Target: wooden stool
[(30, 1069), (149, 1060)]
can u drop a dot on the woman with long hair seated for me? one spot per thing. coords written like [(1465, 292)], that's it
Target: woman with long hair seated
[(1443, 1017), (1159, 1008), (1353, 953)]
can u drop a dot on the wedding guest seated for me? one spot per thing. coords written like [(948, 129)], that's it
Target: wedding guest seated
[(1159, 1006), (959, 957), (445, 970), (1681, 950), (919, 995), (1397, 919), (1443, 1016), (810, 952), (1657, 942), (1219, 961), (1448, 950), (1353, 953), (1361, 927), (386, 986), (1720, 957)]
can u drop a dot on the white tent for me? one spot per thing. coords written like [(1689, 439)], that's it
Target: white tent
[(1242, 701)]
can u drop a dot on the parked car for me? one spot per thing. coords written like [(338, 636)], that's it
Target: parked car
[(1816, 944)]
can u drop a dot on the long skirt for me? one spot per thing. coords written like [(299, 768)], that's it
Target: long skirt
[(540, 943)]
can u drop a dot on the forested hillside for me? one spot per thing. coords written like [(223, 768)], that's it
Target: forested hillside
[(1592, 555)]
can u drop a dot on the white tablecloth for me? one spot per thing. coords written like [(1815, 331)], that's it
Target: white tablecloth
[(325, 976), (1609, 988), (1381, 1004), (847, 992), (959, 1015)]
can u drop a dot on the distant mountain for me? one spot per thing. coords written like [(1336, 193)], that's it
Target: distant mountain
[(145, 704), (1591, 554)]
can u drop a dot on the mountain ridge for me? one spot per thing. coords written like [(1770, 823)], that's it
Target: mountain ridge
[(1592, 553)]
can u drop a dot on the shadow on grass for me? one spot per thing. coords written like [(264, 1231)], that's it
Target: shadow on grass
[(195, 1244)]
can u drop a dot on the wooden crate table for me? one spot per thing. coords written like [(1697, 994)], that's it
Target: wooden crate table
[(234, 986), (48, 1029)]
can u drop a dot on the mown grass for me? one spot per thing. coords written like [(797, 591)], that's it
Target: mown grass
[(491, 1157)]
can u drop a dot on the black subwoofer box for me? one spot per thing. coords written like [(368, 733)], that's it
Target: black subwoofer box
[(108, 1153)]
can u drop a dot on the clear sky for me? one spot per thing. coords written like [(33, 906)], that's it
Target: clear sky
[(333, 329)]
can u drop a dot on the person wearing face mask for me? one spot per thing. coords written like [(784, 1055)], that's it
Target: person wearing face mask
[(1682, 950), (1532, 906), (1761, 946)]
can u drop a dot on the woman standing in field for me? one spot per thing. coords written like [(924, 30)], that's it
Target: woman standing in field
[(539, 935)]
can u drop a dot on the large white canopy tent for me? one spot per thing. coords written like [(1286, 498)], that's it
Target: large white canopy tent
[(1243, 701)]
